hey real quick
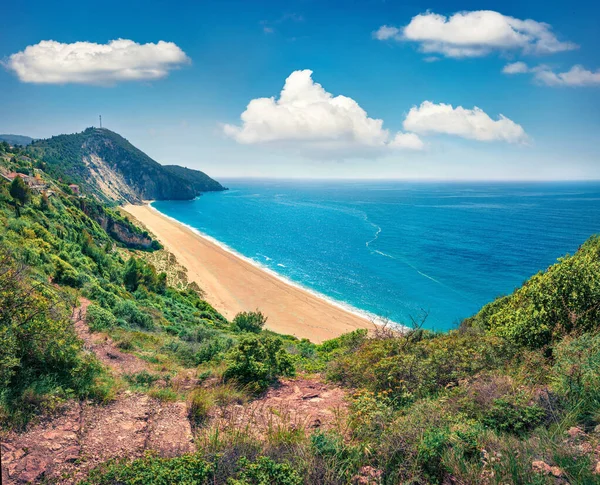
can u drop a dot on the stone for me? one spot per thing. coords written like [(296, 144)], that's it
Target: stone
[(540, 466), (35, 467), (575, 432)]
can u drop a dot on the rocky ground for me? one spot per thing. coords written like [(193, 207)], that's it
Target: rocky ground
[(63, 448)]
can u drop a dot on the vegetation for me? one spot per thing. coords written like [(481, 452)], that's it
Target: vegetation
[(199, 180), (514, 386)]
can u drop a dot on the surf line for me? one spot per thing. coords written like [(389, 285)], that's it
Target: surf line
[(381, 253)]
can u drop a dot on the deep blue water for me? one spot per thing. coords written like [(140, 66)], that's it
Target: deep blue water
[(397, 248)]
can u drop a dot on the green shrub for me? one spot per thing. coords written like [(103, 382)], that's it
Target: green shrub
[(256, 363), (249, 322), (152, 470), (265, 471), (551, 304), (513, 416), (129, 313), (577, 373), (99, 319)]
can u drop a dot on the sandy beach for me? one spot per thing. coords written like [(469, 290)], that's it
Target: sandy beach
[(232, 284)]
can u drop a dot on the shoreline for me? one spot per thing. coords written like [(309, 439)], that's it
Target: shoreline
[(232, 283)]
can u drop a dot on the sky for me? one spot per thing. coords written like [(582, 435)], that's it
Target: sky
[(316, 89)]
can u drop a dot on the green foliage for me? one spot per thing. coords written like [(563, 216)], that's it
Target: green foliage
[(200, 402), (257, 362), (152, 470), (99, 319), (138, 272), (416, 364), (40, 356), (514, 416), (266, 472), (128, 314), (19, 191), (577, 374), (249, 322), (199, 180), (561, 300)]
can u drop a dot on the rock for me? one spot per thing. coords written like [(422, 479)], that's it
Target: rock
[(35, 467), (7, 447), (575, 432), (20, 453), (71, 454), (540, 466)]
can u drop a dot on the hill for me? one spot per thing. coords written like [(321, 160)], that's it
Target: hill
[(114, 369), (199, 180), (106, 165), (16, 139)]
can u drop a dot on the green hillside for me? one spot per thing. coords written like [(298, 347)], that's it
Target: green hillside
[(111, 168), (16, 139), (199, 180), (511, 396)]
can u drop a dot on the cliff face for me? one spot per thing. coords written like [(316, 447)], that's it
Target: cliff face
[(106, 165), (123, 233)]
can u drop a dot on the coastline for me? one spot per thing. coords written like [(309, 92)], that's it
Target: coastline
[(232, 284)]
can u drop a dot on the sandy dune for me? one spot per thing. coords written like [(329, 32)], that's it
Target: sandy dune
[(233, 285)]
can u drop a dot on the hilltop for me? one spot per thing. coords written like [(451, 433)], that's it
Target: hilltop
[(16, 139), (110, 168)]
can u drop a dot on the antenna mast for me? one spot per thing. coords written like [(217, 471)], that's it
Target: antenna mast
[(100, 121)]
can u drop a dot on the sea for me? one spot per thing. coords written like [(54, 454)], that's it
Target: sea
[(404, 252)]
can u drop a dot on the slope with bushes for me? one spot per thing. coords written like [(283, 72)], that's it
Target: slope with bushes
[(511, 396)]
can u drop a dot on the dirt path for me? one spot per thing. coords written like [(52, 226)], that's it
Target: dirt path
[(103, 346), (66, 447), (303, 403)]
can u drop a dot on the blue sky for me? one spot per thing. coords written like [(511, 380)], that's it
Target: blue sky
[(225, 54)]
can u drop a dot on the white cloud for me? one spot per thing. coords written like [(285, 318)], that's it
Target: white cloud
[(307, 117), (384, 33), (576, 76), (51, 62), (476, 33), (473, 123), (515, 68)]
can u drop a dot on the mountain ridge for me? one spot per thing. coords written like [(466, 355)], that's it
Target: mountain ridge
[(112, 169)]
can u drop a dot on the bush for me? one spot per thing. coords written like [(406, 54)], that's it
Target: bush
[(513, 416), (265, 471), (551, 304), (99, 319), (249, 322), (129, 313), (256, 363), (152, 470), (577, 373)]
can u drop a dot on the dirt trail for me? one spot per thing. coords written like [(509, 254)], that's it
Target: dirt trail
[(303, 403), (103, 346), (66, 447)]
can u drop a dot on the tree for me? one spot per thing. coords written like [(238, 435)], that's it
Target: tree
[(256, 363), (249, 322), (19, 191)]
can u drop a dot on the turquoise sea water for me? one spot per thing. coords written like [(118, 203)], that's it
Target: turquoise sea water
[(396, 248)]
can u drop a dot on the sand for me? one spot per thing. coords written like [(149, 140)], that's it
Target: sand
[(232, 284)]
